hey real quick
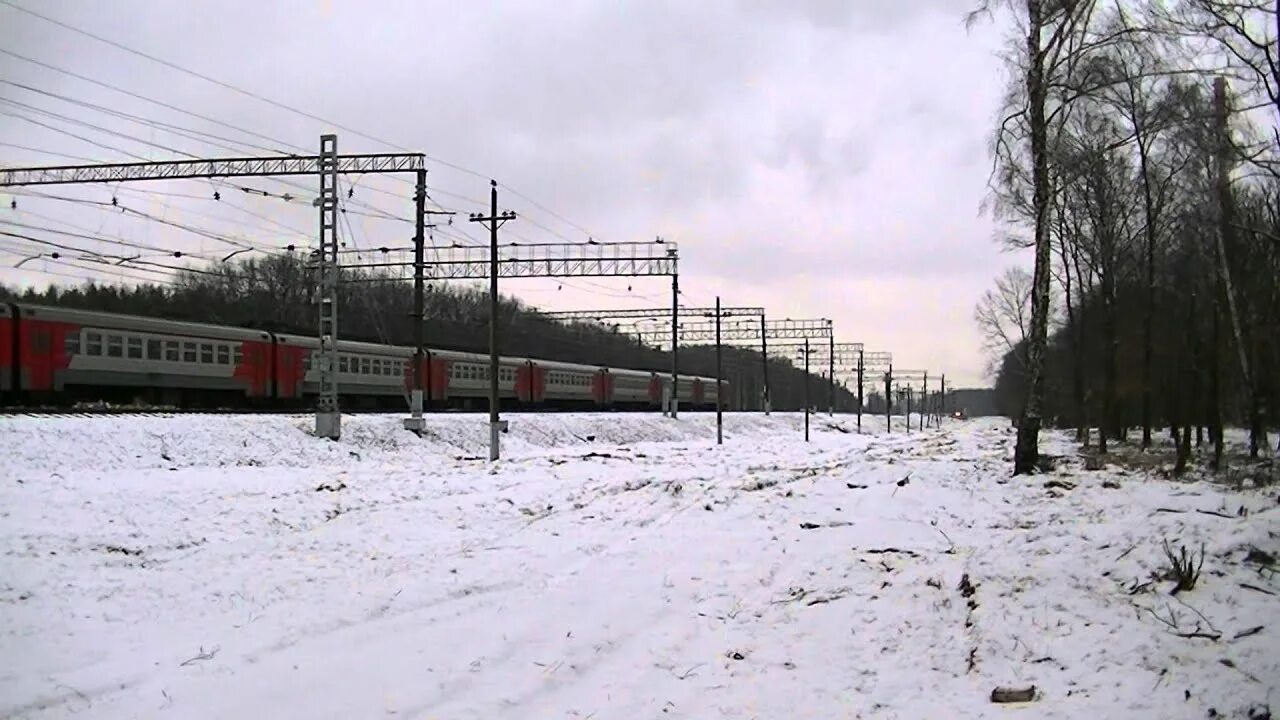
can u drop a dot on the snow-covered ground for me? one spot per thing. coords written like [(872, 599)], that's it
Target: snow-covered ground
[(616, 566)]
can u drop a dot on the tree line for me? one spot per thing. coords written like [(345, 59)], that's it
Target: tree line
[(1138, 154), (277, 293)]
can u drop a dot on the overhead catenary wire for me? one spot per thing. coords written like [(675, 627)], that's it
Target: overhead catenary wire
[(377, 212), (277, 104)]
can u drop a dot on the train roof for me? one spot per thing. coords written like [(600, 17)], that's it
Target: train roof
[(139, 323)]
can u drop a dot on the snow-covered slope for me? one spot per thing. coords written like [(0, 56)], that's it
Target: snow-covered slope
[(615, 566)]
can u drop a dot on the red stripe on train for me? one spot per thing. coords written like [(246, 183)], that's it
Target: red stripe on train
[(531, 382), (602, 387), (42, 351), (6, 349), (289, 370), (437, 382), (254, 367)]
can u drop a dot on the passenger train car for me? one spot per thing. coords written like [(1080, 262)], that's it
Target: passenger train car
[(59, 355)]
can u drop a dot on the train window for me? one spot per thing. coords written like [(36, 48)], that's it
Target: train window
[(171, 350), (153, 349), (134, 347), (93, 343), (206, 352), (364, 366), (377, 367), (188, 352), (224, 355), (72, 344), (115, 346), (343, 364), (236, 355)]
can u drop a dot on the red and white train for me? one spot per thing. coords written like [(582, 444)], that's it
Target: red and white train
[(56, 355)]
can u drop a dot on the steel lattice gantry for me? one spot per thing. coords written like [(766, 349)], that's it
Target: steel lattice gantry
[(326, 166), (737, 332), (633, 317), (702, 331), (845, 358), (642, 314), (224, 167), (467, 262)]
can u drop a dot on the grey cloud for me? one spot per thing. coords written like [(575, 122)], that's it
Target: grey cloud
[(795, 148)]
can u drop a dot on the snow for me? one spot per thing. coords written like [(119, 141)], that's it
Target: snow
[(610, 566)]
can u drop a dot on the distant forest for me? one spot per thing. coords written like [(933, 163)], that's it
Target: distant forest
[(276, 293)]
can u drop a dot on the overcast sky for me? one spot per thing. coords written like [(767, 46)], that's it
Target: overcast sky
[(822, 158)]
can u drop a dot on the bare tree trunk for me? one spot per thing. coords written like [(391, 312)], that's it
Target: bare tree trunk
[(1215, 389), (1082, 432), (1077, 352), (1148, 319), (1111, 338), (1027, 452)]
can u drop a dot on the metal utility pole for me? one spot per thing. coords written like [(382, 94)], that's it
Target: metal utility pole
[(420, 396), (719, 385), (942, 400), (328, 414), (860, 366), (414, 423), (493, 221), (888, 399), (806, 389), (764, 358), (907, 416), (924, 400), (831, 375), (675, 341)]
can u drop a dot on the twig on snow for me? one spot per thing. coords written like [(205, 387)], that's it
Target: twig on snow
[(950, 542), (689, 673), (201, 656), (1197, 612), (1247, 633), (1247, 586), (833, 595), (1205, 635), (79, 694)]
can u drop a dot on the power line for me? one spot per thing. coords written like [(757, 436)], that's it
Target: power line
[(77, 137), (89, 278), (188, 133), (139, 96), (126, 209), (99, 128), (49, 152), (276, 104)]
